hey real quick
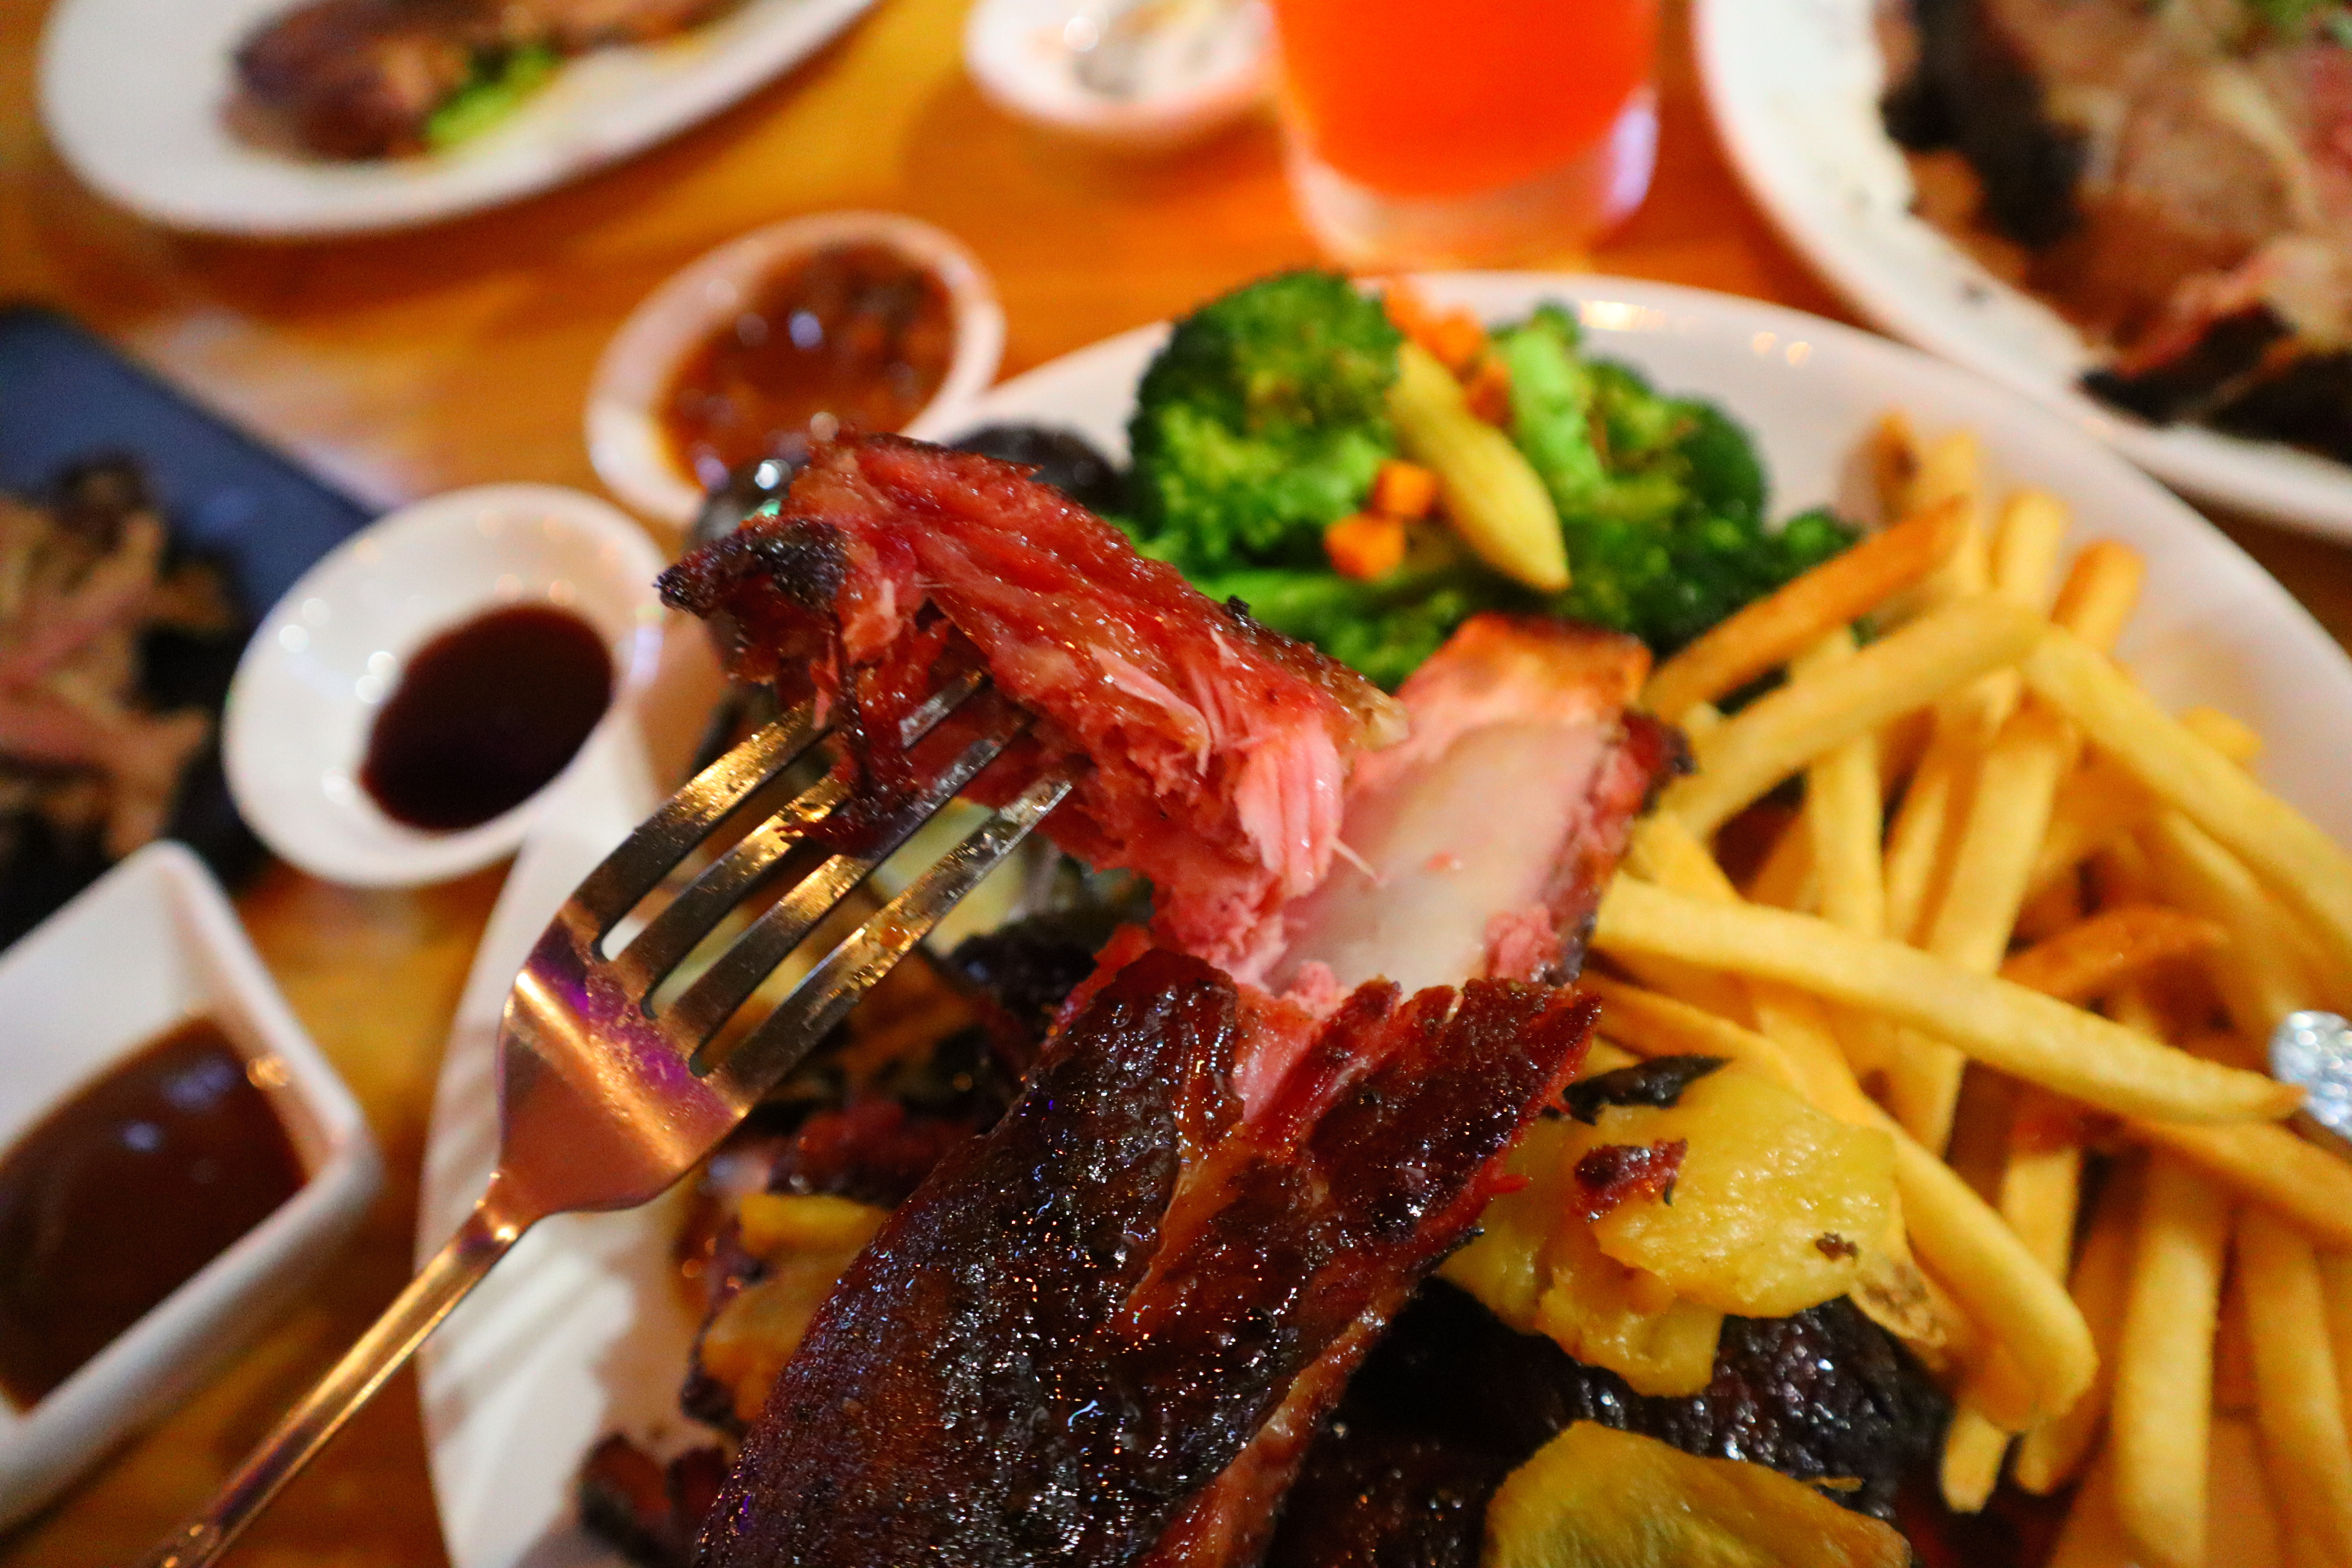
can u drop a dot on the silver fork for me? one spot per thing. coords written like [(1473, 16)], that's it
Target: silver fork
[(604, 1103)]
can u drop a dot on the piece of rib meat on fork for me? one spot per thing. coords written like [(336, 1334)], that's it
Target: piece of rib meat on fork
[(1211, 751)]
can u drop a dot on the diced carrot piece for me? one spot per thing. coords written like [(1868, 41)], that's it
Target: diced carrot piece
[(1366, 546), (1488, 391), (1458, 339), (1408, 307), (1455, 339), (1404, 490)]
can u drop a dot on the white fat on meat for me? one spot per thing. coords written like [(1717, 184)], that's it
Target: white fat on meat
[(1443, 853)]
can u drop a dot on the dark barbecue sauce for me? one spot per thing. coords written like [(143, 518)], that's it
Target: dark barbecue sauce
[(125, 1191), (485, 714), (857, 332)]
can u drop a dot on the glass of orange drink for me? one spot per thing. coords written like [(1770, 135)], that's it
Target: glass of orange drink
[(1435, 132)]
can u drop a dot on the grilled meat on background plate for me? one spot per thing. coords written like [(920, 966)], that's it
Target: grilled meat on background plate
[(359, 79), (1107, 1329), (2180, 176)]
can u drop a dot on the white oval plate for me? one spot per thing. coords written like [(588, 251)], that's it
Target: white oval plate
[(1793, 86), (580, 1331), (132, 93)]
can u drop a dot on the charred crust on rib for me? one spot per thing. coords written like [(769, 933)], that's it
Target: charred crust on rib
[(1658, 1082), (1974, 89), (1614, 1175)]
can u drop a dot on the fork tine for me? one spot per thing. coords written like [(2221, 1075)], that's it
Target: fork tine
[(826, 994), (687, 819), (711, 1000), (698, 908)]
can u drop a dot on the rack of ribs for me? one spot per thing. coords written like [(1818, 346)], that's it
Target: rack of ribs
[(1105, 1331)]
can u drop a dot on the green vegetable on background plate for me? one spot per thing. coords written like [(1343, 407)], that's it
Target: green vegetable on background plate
[(500, 80), (1265, 420)]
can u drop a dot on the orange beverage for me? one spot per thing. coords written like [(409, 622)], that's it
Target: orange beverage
[(1538, 110)]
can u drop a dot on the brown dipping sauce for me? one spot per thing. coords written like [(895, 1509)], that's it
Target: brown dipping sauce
[(857, 332), (125, 1191), (485, 714)]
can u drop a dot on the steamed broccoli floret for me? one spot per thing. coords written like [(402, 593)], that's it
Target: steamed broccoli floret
[(1262, 422), (1661, 499), (1383, 630)]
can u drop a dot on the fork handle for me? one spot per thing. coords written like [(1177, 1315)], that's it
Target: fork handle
[(456, 1269)]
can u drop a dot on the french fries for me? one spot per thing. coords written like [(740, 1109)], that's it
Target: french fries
[(1776, 628), (2052, 1453), (2097, 956), (2164, 1366), (2005, 1025), (1777, 735), (2297, 859), (2300, 1182), (2295, 1403), (2009, 856)]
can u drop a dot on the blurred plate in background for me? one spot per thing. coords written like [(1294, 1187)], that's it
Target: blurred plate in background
[(1793, 86), (132, 93)]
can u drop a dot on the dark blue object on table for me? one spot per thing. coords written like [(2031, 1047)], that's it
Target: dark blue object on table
[(66, 398)]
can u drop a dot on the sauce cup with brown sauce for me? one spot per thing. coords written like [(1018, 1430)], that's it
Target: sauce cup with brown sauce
[(177, 1162), (863, 321), (401, 714)]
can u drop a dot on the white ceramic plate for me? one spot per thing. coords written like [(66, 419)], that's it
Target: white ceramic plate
[(1793, 86), (579, 1332), (131, 92)]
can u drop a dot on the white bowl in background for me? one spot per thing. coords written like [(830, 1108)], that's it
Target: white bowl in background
[(1024, 55), (625, 441), (150, 946), (318, 669)]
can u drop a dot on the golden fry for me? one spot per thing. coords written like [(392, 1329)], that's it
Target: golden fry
[(2092, 1535), (2162, 1419), (2336, 1287), (1891, 453), (2278, 843), (2099, 593), (2050, 1455), (1996, 1281), (1845, 823), (1974, 1447), (2232, 737), (2087, 961), (1779, 733), (2097, 805), (1775, 629), (1660, 1025), (2295, 1403), (2025, 547), (2024, 1033), (2041, 1184), (2303, 1183), (2265, 970), (1991, 858)]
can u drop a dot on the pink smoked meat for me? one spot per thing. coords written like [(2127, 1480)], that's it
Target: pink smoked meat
[(1481, 845), (1210, 753)]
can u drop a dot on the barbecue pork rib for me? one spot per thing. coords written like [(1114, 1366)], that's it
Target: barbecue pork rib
[(1210, 753), (1107, 1330), (1082, 1320)]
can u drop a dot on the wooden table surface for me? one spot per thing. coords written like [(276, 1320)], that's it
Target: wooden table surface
[(409, 364)]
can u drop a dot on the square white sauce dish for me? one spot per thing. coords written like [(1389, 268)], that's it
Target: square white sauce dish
[(177, 1162)]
